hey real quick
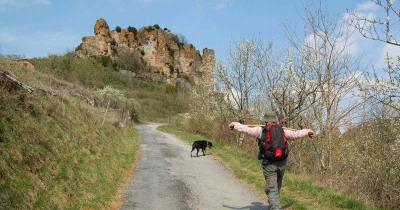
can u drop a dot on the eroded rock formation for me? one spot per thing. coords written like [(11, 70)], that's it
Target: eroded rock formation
[(172, 60)]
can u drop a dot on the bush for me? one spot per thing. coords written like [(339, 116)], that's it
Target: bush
[(89, 72), (131, 61), (118, 29), (179, 39), (171, 89), (132, 29), (104, 61), (149, 28), (79, 47), (156, 26)]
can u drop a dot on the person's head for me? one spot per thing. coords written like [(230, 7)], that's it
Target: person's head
[(269, 117)]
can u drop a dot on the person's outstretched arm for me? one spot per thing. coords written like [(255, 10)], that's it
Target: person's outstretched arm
[(298, 134), (254, 131)]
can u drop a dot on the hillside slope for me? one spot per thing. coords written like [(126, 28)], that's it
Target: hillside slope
[(55, 151)]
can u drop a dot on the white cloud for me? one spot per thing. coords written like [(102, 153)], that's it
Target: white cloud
[(388, 49), (23, 3), (367, 6)]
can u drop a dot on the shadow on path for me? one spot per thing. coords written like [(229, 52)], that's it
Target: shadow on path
[(252, 206)]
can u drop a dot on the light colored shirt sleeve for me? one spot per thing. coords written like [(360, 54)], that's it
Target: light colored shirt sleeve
[(257, 131), (290, 134), (254, 132)]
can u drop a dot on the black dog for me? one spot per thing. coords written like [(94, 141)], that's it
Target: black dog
[(201, 144)]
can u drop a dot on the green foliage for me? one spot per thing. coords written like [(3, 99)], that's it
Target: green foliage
[(113, 42), (179, 39), (171, 89), (54, 154), (118, 29), (105, 61), (132, 29), (79, 47), (109, 96), (156, 26), (90, 72), (131, 61), (149, 28)]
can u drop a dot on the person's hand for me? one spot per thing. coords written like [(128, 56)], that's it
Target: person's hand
[(232, 125), (311, 134)]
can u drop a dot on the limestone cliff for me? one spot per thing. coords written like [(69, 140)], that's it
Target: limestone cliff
[(172, 60)]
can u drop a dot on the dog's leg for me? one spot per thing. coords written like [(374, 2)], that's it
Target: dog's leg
[(204, 151), (197, 154), (192, 151)]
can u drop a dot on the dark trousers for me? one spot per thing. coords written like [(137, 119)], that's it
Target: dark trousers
[(273, 174)]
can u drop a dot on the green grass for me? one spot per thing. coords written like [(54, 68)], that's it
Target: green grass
[(298, 192), (155, 101), (55, 155)]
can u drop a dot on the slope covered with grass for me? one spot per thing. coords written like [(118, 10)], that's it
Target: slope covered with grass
[(155, 101), (55, 155), (55, 150)]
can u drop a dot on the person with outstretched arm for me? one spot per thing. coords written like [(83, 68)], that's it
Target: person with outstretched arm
[(273, 152)]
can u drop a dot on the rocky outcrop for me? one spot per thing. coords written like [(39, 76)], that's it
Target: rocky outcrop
[(172, 60)]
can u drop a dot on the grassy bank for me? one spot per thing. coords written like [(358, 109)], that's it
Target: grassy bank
[(155, 101), (54, 154), (299, 192)]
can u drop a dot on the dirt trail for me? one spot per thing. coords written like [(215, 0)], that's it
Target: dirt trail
[(168, 178)]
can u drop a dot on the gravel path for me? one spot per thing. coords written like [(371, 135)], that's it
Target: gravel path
[(168, 178)]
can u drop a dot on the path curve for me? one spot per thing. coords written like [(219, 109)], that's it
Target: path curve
[(168, 178)]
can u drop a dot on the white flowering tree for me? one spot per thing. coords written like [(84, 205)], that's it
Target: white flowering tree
[(109, 96), (288, 88), (238, 79), (327, 71), (383, 87)]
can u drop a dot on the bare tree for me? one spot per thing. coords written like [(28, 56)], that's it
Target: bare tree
[(329, 65), (376, 28), (382, 87), (238, 78), (286, 85)]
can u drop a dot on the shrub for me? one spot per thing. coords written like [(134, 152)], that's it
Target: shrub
[(118, 29), (156, 26), (90, 72), (149, 28), (109, 96), (79, 47), (132, 29), (130, 61), (166, 29), (104, 61), (171, 89), (179, 39)]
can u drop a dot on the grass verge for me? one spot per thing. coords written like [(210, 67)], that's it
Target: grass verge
[(54, 154), (298, 192)]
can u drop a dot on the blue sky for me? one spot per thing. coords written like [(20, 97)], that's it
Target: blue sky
[(41, 27)]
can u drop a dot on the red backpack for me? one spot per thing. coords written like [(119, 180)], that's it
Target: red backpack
[(273, 144)]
